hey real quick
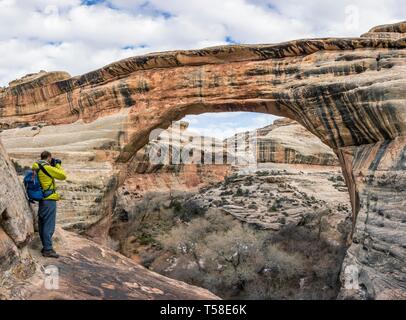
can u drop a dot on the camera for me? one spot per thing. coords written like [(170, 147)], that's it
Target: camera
[(54, 162)]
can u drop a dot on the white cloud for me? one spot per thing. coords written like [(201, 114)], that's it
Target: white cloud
[(225, 124), (220, 132), (342, 18), (67, 35)]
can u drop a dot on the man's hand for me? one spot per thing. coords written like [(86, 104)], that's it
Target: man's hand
[(54, 162)]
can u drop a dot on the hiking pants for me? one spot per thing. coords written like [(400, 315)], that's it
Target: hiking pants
[(46, 222)]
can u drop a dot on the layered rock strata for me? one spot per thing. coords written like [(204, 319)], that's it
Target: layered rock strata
[(86, 270), (350, 92), (284, 141)]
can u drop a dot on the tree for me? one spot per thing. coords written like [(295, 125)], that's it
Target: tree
[(231, 259)]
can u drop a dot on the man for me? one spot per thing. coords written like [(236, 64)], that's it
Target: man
[(48, 170)]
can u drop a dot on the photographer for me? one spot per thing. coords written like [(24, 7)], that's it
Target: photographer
[(48, 169)]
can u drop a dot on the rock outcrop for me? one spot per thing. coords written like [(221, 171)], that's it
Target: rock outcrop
[(272, 196), (86, 270), (304, 210), (350, 92), (16, 220), (176, 148), (286, 141), (88, 152)]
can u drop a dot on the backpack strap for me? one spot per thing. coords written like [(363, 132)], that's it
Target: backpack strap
[(44, 170), (47, 173)]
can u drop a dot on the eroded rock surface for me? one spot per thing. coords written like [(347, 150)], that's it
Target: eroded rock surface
[(89, 271), (379, 237), (286, 141), (88, 152), (272, 196), (86, 270), (303, 212), (16, 220)]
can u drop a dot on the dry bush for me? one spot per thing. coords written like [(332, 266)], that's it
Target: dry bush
[(229, 258)]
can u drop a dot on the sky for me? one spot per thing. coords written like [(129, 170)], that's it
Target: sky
[(81, 35)]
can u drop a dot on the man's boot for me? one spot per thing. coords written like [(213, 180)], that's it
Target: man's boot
[(49, 254)]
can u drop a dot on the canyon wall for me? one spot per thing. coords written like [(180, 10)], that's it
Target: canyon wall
[(286, 141), (16, 219), (89, 150), (85, 268), (349, 92)]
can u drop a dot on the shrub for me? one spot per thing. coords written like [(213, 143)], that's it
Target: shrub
[(252, 206), (234, 260), (19, 169), (226, 193), (273, 208), (145, 239), (282, 220), (229, 179), (239, 192), (262, 173), (283, 266), (176, 205)]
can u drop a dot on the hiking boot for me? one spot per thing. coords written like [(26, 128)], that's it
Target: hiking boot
[(49, 254)]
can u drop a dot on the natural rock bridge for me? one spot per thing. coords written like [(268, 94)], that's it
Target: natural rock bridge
[(350, 92)]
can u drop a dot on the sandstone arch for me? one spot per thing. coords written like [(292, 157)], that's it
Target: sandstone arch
[(350, 92)]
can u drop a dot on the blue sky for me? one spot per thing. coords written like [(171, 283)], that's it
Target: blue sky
[(226, 124), (81, 35)]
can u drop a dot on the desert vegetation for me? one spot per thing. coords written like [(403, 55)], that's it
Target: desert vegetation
[(205, 246)]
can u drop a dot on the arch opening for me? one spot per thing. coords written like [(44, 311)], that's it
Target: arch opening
[(290, 201), (276, 106)]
